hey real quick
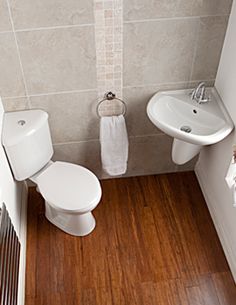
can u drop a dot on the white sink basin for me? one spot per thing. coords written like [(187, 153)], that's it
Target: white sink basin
[(176, 114)]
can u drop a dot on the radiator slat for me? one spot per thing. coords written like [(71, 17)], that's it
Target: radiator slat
[(9, 260), (5, 260), (2, 237)]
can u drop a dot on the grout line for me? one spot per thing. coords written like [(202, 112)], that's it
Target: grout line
[(167, 84), (54, 27), (18, 52), (75, 142), (95, 89), (173, 18), (155, 84), (97, 140), (195, 50), (51, 93), (13, 97), (93, 24), (63, 92), (148, 135), (6, 32), (202, 80)]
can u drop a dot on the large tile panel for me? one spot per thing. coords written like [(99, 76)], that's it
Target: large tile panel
[(137, 121), (11, 80), (158, 51), (72, 116), (15, 104), (46, 13), (59, 59), (150, 155), (147, 155), (209, 45), (83, 153), (5, 23), (211, 7), (149, 9), (136, 99)]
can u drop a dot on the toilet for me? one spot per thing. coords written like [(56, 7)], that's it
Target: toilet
[(71, 191)]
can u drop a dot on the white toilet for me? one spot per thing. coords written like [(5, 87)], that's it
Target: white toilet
[(70, 191)]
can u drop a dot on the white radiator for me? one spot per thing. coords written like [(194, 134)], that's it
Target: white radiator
[(9, 260)]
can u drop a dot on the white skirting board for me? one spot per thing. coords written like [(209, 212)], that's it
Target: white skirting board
[(23, 239), (211, 201)]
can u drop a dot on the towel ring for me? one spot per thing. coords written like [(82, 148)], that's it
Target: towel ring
[(108, 97)]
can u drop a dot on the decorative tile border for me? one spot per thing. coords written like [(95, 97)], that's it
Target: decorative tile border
[(109, 48)]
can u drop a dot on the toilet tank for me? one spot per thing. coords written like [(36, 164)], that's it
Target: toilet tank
[(27, 141)]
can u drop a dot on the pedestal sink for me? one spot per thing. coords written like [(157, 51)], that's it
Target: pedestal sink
[(192, 125)]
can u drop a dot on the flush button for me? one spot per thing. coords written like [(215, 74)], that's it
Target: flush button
[(21, 122)]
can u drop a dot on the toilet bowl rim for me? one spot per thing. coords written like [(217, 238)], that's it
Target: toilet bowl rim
[(83, 210), (92, 205)]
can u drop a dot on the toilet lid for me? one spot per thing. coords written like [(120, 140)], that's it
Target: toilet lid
[(69, 187)]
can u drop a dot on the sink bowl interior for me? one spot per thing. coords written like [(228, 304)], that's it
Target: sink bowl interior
[(177, 115)]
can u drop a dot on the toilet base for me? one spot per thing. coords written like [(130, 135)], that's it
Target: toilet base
[(74, 224)]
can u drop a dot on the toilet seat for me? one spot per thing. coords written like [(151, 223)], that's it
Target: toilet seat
[(69, 188)]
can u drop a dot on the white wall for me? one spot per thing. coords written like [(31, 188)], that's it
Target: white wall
[(14, 195), (214, 161), (10, 191)]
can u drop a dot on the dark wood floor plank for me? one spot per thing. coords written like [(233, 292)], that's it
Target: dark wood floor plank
[(195, 296), (225, 288), (154, 243), (208, 290)]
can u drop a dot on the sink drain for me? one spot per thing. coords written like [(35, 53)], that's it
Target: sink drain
[(186, 129)]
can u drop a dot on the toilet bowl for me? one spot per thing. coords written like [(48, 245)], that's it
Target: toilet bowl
[(70, 191)]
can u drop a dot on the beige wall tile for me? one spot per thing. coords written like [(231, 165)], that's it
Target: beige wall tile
[(150, 155), (194, 84), (139, 9), (83, 153), (45, 13), (72, 116), (211, 7), (59, 59), (136, 99), (15, 104), (5, 24), (11, 81), (159, 51), (147, 155), (209, 45)]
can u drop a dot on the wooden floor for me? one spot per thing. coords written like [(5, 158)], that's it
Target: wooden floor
[(154, 244)]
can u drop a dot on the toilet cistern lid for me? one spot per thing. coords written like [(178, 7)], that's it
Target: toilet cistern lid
[(69, 187)]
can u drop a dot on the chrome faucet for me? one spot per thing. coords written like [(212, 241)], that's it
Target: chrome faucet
[(199, 94)]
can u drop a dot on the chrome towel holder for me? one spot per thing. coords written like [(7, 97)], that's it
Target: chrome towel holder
[(108, 97)]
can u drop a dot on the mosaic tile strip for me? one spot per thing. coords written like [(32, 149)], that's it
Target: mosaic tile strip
[(109, 48)]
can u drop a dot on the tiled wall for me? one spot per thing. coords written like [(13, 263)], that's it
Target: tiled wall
[(62, 55)]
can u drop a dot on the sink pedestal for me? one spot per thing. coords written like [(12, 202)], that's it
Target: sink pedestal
[(183, 152)]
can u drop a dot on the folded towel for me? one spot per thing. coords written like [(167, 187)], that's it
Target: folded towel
[(114, 144)]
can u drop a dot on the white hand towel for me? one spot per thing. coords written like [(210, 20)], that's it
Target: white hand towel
[(114, 144)]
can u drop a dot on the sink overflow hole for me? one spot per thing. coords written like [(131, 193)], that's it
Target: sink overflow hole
[(21, 122), (194, 111), (186, 129)]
